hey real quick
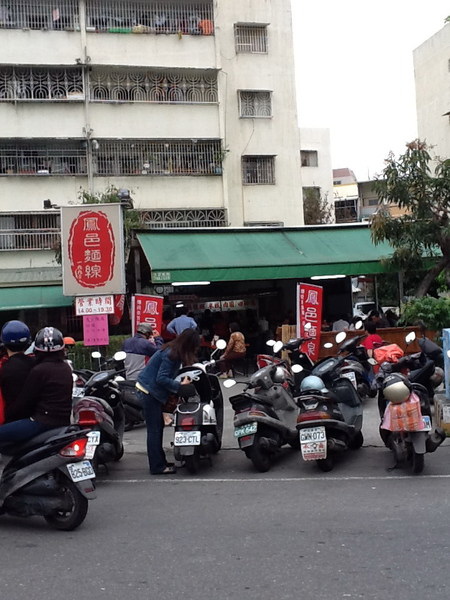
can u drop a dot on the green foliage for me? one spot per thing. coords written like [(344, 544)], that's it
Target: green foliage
[(434, 312), (316, 208), (81, 354), (423, 231)]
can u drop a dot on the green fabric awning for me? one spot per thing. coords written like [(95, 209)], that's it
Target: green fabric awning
[(43, 296), (247, 254)]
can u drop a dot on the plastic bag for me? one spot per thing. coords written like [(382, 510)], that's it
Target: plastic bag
[(389, 353), (406, 416)]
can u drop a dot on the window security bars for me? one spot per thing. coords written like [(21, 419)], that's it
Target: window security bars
[(258, 170), (162, 157), (29, 231), (204, 217), (40, 84), (39, 14), (147, 86), (251, 39), (147, 16), (255, 104), (34, 158)]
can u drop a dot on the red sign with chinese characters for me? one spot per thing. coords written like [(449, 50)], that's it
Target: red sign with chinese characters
[(147, 309), (119, 307), (309, 310), (92, 250)]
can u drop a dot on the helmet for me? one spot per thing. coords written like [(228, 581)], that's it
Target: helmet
[(396, 388), (312, 383), (49, 339), (279, 375), (438, 377), (145, 328), (69, 341), (16, 336)]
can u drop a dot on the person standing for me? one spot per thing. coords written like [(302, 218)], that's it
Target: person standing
[(155, 383), (182, 322)]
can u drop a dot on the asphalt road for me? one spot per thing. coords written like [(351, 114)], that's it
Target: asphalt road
[(360, 531)]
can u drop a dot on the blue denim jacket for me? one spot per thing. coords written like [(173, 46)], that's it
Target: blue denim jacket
[(158, 376)]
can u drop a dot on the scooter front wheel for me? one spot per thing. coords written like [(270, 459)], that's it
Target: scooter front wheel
[(259, 456), (68, 520)]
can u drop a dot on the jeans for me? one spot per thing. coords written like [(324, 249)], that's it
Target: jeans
[(20, 431), (155, 429)]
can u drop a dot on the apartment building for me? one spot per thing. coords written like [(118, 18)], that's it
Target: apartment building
[(432, 73), (316, 169), (188, 104)]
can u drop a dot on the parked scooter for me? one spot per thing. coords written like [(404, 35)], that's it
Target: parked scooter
[(51, 476), (100, 408), (265, 417), (331, 414), (198, 420)]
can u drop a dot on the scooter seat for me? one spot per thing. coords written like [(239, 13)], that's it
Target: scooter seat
[(12, 449)]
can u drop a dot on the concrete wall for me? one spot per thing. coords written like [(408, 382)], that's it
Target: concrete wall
[(318, 140)]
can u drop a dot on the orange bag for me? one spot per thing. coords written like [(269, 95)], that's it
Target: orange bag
[(389, 353), (406, 416)]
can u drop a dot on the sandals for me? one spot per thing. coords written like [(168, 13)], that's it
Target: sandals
[(167, 471)]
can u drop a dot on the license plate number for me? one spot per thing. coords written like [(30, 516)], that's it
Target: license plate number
[(93, 442), (351, 375), (313, 442), (245, 430), (187, 438), (426, 423), (313, 434), (81, 470)]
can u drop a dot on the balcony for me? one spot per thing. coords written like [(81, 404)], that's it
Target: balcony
[(29, 231)]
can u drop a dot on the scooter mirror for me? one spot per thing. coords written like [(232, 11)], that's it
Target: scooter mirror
[(358, 325), (277, 346), (270, 343), (121, 355), (410, 337), (297, 368), (96, 354), (74, 377), (340, 337), (119, 378), (372, 361), (328, 345), (221, 344), (228, 383)]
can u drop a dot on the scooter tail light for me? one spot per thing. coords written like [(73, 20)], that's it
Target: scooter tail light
[(76, 449), (313, 415), (88, 417), (187, 423), (256, 413)]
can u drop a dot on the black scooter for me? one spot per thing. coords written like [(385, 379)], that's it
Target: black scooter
[(51, 476)]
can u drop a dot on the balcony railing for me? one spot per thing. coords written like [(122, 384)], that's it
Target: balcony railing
[(149, 16), (39, 14), (22, 84), (180, 217), (29, 231), (34, 158)]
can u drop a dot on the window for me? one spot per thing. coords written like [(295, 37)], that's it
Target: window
[(250, 39), (40, 14), (152, 86), (158, 157), (373, 202), (29, 231), (24, 157), (309, 158), (24, 84), (255, 104), (151, 16), (258, 170)]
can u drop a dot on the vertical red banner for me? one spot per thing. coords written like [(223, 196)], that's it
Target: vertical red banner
[(147, 309), (309, 310)]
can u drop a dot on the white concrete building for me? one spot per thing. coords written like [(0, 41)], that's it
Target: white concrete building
[(189, 104), (432, 73), (315, 158)]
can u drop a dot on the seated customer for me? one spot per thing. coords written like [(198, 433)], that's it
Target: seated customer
[(373, 340), (234, 351)]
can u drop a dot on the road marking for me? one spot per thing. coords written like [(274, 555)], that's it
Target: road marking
[(272, 479)]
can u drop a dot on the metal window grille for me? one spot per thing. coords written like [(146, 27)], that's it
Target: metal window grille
[(148, 16), (158, 157), (148, 86), (258, 170), (40, 84), (43, 158), (39, 14), (255, 104), (251, 39), (180, 217), (29, 231), (309, 158)]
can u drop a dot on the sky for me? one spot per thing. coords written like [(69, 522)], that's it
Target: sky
[(355, 73)]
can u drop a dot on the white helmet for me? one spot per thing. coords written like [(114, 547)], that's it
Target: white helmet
[(396, 388)]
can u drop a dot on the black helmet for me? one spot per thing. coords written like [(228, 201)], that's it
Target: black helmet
[(396, 388), (16, 336), (145, 328), (49, 339)]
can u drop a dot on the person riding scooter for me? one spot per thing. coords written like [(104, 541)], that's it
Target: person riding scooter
[(140, 348), (45, 401)]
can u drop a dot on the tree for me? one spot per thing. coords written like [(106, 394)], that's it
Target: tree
[(316, 208), (421, 236)]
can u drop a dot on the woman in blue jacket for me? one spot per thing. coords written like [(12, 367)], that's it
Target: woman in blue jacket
[(155, 383)]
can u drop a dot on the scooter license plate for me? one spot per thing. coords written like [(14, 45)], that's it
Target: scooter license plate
[(93, 442), (247, 429), (81, 470), (187, 438), (313, 443), (426, 423)]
